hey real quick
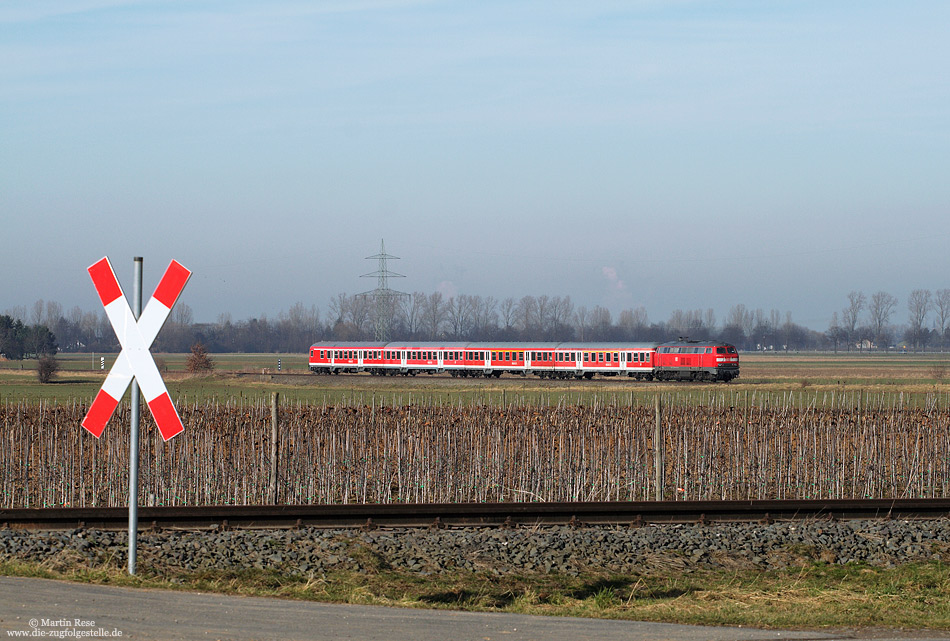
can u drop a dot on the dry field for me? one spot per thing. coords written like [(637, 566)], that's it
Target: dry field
[(717, 445)]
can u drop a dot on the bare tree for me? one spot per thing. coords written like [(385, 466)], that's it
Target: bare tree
[(835, 332), (601, 322), (735, 329), (37, 314), (182, 315), (582, 323), (562, 310), (338, 307), (460, 312), (412, 312), (484, 315), (880, 309), (918, 304), (852, 314), (360, 314), (942, 307), (508, 313), (543, 314), (526, 315), (434, 313), (634, 322)]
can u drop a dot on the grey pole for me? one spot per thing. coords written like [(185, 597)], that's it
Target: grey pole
[(134, 433), (659, 451)]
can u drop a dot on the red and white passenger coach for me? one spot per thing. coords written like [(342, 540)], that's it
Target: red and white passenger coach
[(679, 360)]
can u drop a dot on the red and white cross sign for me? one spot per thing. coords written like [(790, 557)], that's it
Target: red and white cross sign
[(135, 337)]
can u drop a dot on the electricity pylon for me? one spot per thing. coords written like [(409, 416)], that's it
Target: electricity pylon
[(385, 300)]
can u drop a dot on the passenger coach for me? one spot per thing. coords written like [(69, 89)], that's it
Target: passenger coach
[(680, 360)]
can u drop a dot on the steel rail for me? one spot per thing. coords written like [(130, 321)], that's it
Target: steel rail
[(473, 514)]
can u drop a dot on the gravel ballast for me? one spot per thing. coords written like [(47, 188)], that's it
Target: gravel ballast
[(559, 549)]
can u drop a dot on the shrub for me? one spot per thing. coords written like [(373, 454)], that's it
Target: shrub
[(199, 361), (46, 368)]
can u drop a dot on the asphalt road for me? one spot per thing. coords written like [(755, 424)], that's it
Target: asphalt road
[(38, 608)]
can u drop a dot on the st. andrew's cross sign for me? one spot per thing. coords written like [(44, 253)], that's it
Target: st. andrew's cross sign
[(136, 337)]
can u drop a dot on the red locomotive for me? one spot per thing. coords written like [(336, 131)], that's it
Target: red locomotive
[(684, 360), (679, 360)]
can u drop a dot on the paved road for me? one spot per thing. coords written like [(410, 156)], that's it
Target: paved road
[(54, 609)]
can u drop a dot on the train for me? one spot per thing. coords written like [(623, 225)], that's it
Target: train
[(681, 360)]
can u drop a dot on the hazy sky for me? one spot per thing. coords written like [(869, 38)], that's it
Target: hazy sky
[(670, 154)]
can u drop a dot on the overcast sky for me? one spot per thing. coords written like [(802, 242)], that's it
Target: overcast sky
[(670, 154)]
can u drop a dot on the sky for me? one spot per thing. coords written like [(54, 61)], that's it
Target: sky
[(672, 154)]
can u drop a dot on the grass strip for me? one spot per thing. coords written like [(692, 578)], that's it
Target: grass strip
[(816, 596)]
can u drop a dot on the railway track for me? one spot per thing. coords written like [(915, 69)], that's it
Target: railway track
[(473, 514)]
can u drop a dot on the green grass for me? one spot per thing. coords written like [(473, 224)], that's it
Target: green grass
[(253, 377), (815, 596)]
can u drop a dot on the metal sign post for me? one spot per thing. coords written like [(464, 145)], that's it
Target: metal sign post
[(134, 428), (136, 329)]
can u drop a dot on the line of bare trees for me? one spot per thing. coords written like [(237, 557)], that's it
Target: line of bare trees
[(863, 323)]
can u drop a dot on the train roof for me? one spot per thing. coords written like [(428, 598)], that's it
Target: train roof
[(502, 345), (691, 343), (606, 345), (427, 345), (349, 344), (522, 345)]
